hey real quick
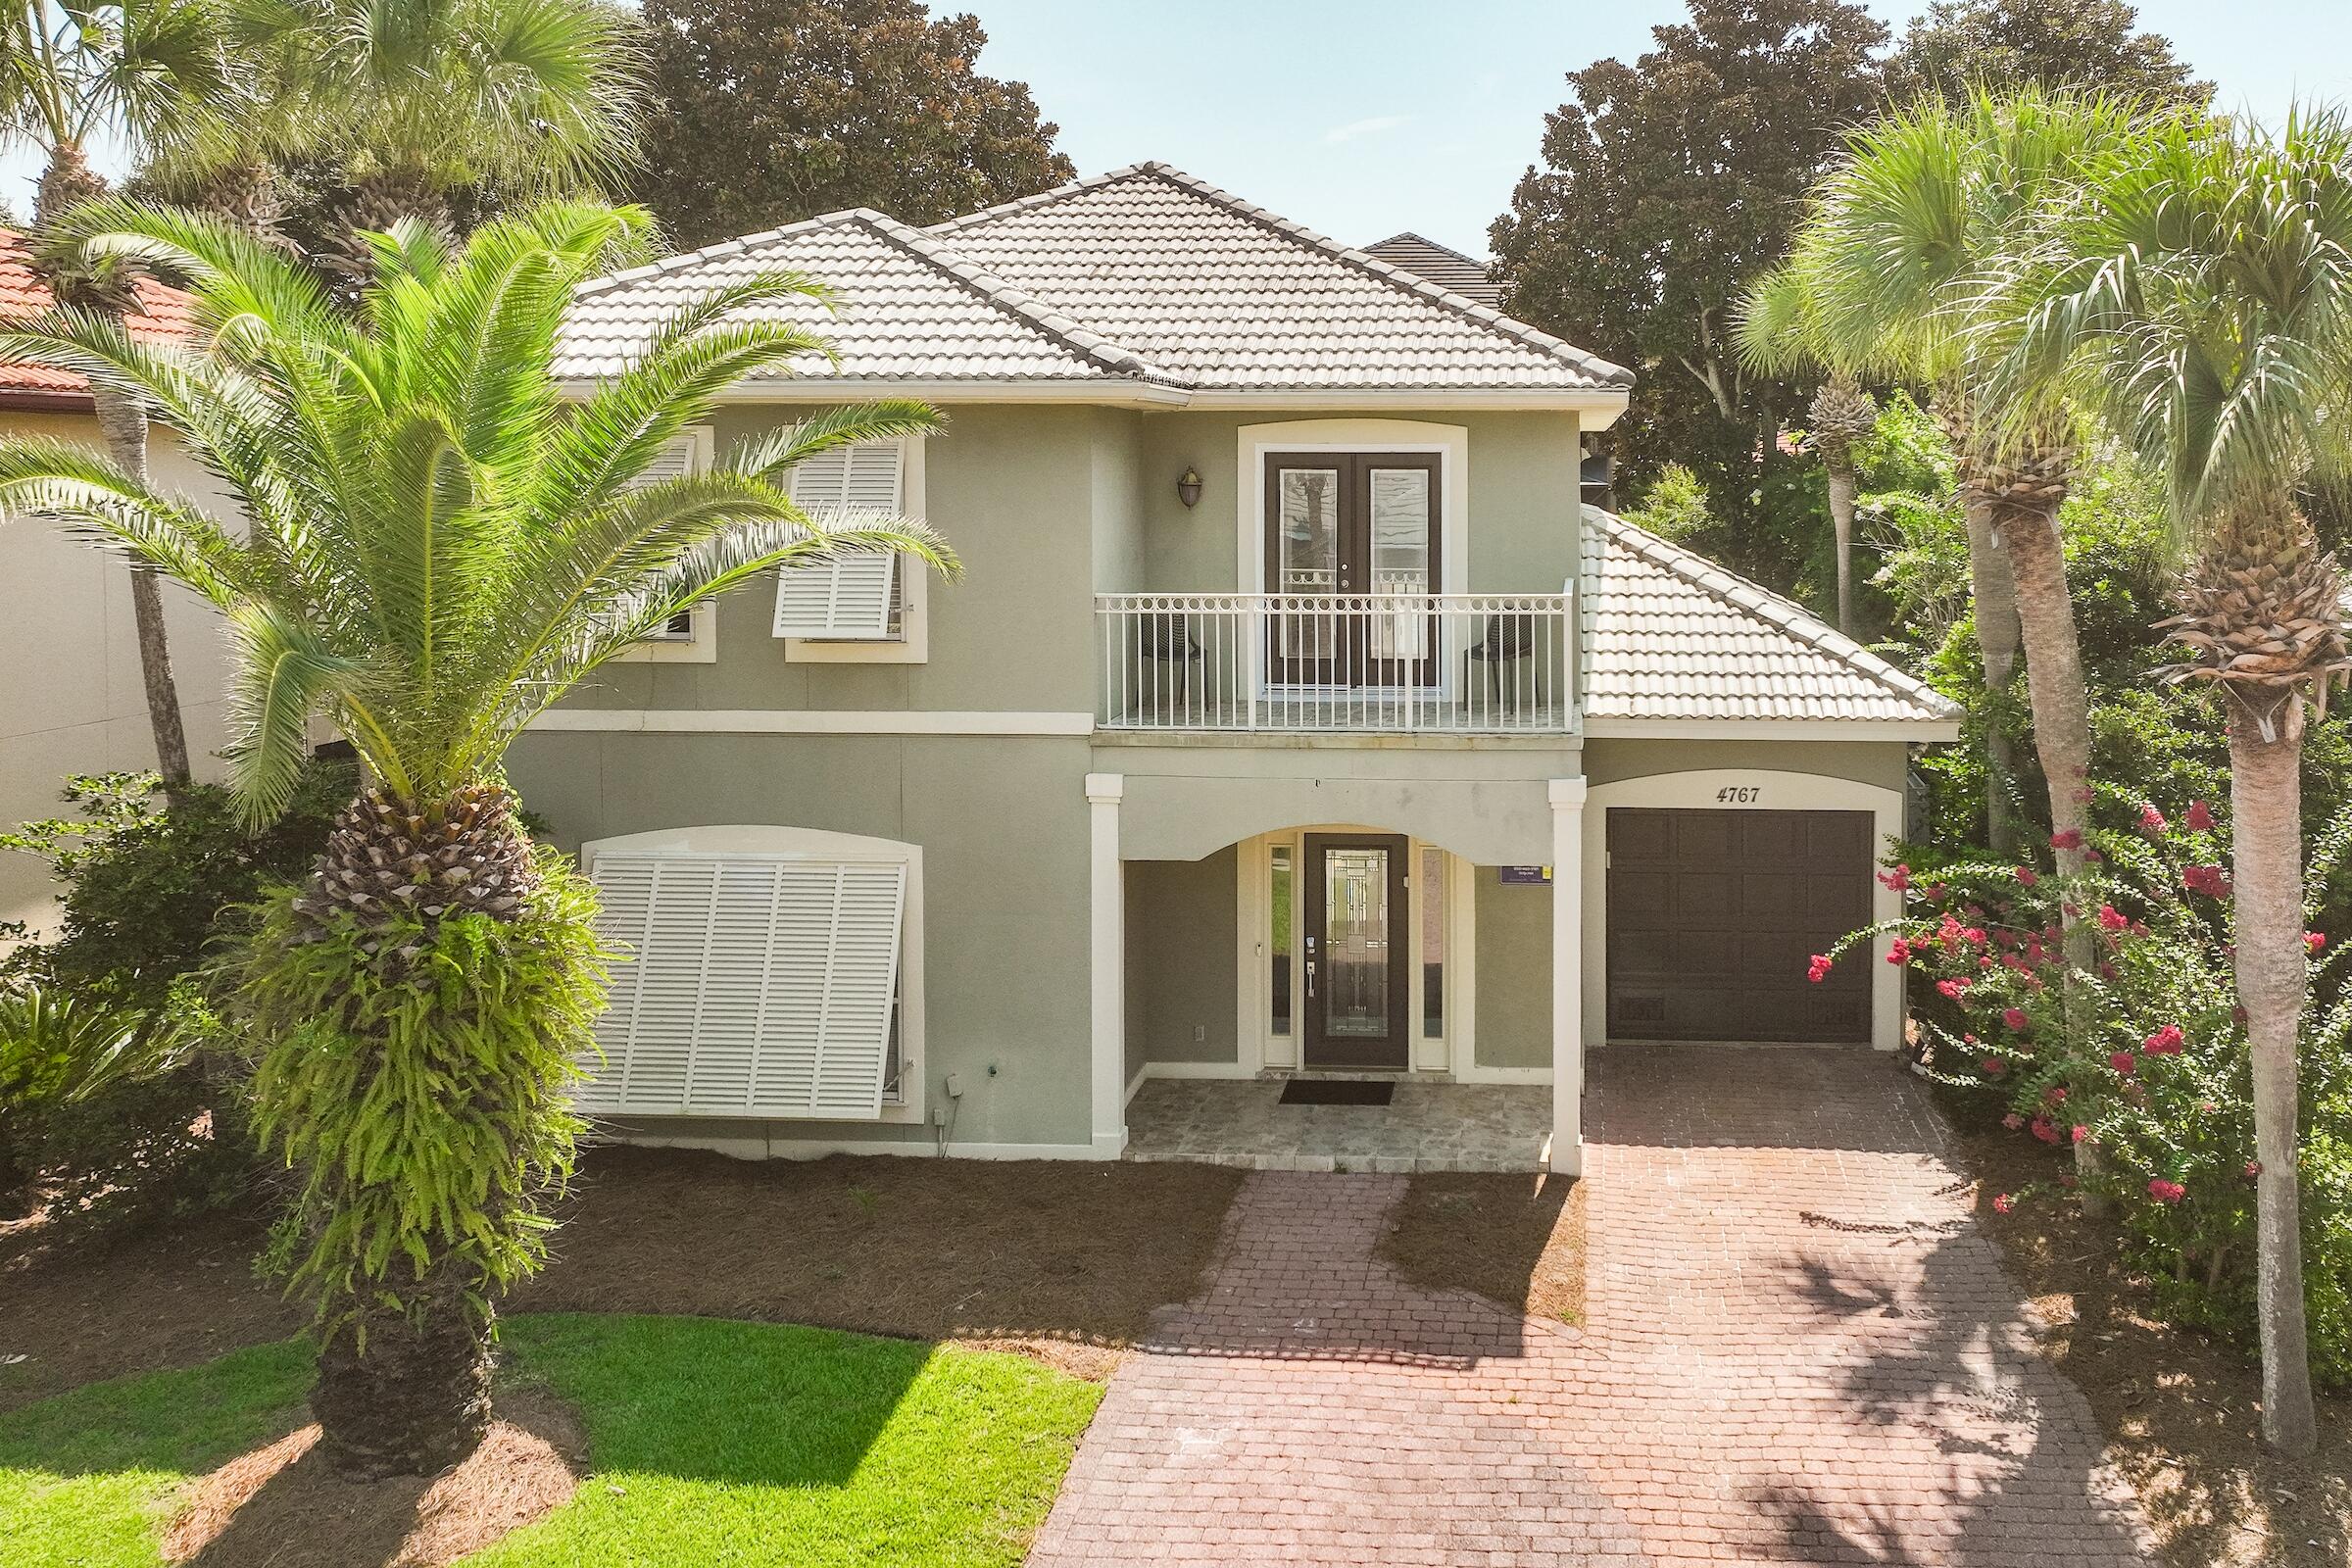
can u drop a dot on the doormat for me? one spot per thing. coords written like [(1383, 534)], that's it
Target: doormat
[(1338, 1092)]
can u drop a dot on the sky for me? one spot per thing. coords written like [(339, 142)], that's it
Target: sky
[(1360, 118)]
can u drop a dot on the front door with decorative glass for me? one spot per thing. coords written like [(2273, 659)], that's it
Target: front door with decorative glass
[(1352, 541), (1357, 945)]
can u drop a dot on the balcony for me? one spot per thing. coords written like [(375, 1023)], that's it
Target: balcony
[(1390, 664)]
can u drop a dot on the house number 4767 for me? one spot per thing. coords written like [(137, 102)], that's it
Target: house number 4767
[(1738, 795)]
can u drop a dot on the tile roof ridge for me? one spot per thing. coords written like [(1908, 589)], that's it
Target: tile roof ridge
[(1042, 198), (716, 249), (1762, 604), (1486, 316), (1066, 330)]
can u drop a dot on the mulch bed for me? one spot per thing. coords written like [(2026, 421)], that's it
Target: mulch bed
[(1064, 1261), (1518, 1241), (278, 1507), (2181, 1413)]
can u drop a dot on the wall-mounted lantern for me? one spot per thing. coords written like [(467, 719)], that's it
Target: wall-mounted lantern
[(1188, 487)]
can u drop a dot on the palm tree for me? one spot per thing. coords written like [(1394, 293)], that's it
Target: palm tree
[(437, 550), (1778, 335), (2199, 293), (1882, 278), (416, 103), (1781, 332), (159, 76)]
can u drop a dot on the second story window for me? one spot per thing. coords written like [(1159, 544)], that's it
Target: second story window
[(858, 596), (690, 637)]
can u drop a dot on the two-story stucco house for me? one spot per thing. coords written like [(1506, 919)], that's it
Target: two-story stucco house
[(1291, 714)]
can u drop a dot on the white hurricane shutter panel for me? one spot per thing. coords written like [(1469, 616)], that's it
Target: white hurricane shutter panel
[(848, 598), (756, 986)]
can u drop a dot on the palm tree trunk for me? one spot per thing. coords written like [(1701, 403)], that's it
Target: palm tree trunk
[(123, 425), (1842, 490), (376, 201), (411, 1401), (2054, 685), (1996, 596), (2267, 913)]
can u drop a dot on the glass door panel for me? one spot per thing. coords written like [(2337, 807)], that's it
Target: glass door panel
[(1355, 904), (1362, 528)]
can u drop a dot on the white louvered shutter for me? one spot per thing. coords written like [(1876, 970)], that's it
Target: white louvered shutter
[(758, 985), (852, 596)]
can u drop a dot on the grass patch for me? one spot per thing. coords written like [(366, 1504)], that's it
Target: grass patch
[(710, 1442), (1510, 1239)]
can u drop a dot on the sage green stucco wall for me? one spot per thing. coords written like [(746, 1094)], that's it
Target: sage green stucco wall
[(1180, 960), (1003, 823), (1514, 971), (1016, 491), (1881, 762), (1522, 497)]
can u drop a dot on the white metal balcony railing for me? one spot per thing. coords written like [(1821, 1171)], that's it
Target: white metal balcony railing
[(1387, 664)]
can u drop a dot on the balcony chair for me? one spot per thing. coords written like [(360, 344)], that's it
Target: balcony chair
[(1164, 638), (1506, 639)]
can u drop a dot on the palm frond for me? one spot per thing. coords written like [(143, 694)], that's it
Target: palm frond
[(69, 484), (284, 678)]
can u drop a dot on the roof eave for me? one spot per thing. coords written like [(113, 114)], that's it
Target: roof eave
[(1920, 732), (1603, 404)]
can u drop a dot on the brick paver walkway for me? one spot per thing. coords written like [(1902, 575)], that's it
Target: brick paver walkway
[(1800, 1350)]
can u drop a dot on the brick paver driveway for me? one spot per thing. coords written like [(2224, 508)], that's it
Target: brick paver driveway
[(1800, 1350)]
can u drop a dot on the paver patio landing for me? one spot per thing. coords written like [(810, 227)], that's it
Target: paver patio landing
[(1799, 1349)]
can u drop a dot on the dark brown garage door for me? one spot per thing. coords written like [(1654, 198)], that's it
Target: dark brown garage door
[(1713, 914)]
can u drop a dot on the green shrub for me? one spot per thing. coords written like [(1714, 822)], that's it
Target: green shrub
[(121, 1089), (417, 1090), (2142, 1058)]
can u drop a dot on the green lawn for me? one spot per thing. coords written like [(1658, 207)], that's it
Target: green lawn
[(711, 1442)]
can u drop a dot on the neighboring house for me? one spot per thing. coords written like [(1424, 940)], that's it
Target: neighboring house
[(1290, 712), (1448, 269), (74, 701)]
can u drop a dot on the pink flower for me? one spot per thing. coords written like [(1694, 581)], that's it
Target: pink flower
[(2253, 1169), (1993, 1066), (2085, 794), (1936, 891), (2151, 819), (2206, 879), (2070, 839), (1899, 952), (2082, 1133), (2113, 918), (2026, 876), (2164, 1042), (2314, 941), (2165, 1192), (1954, 989), (2207, 1107), (2122, 1062), (2045, 1130), (2015, 1018), (2107, 972), (2200, 819), (1898, 879), (1818, 968), (2055, 1094), (2003, 1204), (2013, 1121)]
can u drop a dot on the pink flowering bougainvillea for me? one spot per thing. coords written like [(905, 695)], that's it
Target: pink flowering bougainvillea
[(1817, 969), (2200, 817), (2167, 1191)]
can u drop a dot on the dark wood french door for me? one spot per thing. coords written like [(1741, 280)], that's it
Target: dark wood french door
[(1340, 525), (1358, 942)]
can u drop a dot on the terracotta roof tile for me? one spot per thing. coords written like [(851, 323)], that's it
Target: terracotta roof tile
[(164, 316)]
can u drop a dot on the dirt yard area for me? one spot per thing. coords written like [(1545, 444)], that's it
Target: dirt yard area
[(1064, 1260), (2180, 1411), (1518, 1241)]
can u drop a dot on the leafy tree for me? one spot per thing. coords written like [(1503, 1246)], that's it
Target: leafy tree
[(437, 551), (1957, 45), (773, 110), (2198, 291), (1668, 186), (162, 76)]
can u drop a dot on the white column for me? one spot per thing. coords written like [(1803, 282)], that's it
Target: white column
[(1567, 976), (1108, 898)]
